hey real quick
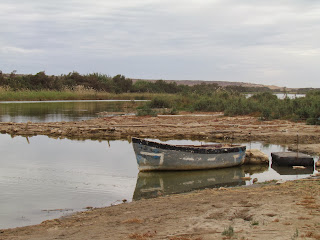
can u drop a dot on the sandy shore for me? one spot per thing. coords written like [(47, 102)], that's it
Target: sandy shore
[(265, 211), (289, 210)]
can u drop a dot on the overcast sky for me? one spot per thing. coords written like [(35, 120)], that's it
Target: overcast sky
[(274, 42)]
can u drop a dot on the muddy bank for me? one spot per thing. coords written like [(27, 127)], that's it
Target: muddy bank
[(286, 211), (313, 149), (212, 127)]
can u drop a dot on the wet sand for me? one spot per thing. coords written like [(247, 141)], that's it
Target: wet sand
[(264, 211)]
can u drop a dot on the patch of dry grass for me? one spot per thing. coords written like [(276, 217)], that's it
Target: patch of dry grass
[(242, 214), (4, 89), (133, 220)]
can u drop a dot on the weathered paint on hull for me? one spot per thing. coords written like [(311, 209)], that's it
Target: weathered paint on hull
[(151, 158), (292, 159)]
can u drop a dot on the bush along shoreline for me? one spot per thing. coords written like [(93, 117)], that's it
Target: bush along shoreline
[(166, 97), (265, 106)]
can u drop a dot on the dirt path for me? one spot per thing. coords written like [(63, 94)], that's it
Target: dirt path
[(287, 211)]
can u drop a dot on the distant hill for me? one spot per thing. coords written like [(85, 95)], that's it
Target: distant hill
[(220, 83)]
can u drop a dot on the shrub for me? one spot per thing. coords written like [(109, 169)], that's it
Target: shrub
[(229, 232), (146, 110), (313, 121), (160, 102)]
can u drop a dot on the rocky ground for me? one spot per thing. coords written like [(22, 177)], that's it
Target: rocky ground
[(289, 210)]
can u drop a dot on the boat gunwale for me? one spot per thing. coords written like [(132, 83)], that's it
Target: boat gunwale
[(191, 148)]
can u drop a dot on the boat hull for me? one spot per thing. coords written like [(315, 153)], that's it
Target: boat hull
[(153, 156), (291, 159)]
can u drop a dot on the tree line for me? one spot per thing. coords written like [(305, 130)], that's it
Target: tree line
[(103, 82)]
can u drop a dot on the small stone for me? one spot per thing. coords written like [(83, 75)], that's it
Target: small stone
[(219, 136), (280, 182), (255, 156)]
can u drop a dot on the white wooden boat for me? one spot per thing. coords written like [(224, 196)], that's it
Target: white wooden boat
[(159, 156)]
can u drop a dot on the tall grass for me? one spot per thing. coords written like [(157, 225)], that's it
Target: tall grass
[(79, 93)]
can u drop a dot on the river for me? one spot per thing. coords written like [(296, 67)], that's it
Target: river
[(282, 95)]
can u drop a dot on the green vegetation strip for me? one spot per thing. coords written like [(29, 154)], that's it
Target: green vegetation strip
[(166, 97)]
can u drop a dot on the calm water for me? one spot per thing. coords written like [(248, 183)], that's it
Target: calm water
[(43, 178), (283, 96), (57, 111)]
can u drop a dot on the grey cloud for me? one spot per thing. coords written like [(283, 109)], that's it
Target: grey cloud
[(252, 41)]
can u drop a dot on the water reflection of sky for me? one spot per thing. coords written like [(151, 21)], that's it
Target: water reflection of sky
[(50, 174), (283, 95), (40, 173), (57, 111)]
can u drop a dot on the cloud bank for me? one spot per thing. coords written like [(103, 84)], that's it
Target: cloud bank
[(267, 42)]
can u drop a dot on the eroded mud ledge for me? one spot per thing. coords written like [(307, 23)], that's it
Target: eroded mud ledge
[(189, 126)]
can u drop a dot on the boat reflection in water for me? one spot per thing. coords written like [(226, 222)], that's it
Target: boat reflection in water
[(289, 170), (154, 184)]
